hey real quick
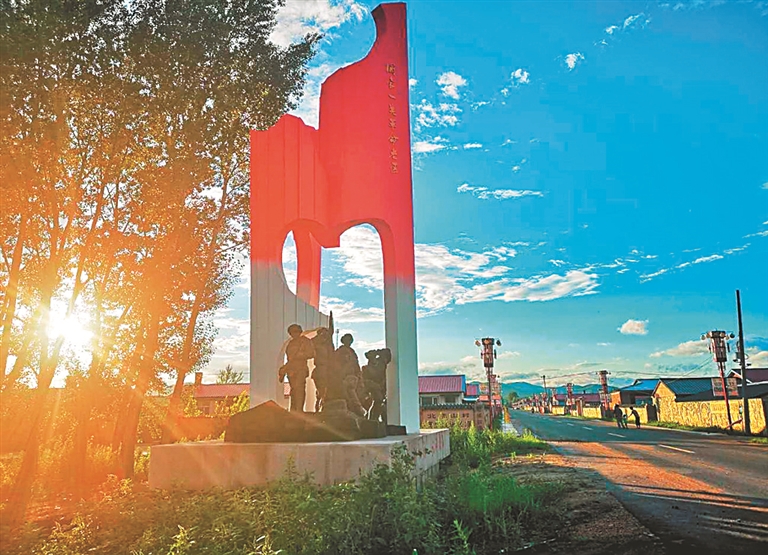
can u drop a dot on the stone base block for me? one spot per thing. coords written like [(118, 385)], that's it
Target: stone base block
[(212, 464)]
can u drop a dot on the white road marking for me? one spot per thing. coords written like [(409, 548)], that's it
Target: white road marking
[(586, 427), (617, 435), (569, 424), (676, 448)]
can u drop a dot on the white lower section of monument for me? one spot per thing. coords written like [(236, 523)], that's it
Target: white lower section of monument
[(216, 464)]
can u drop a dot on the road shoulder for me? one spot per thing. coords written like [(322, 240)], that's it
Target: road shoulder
[(595, 522)]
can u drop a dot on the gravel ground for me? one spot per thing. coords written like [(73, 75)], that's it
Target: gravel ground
[(595, 522)]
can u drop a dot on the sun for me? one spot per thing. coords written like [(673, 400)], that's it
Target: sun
[(75, 333)]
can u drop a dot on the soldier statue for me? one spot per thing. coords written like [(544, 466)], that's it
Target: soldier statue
[(375, 383), (298, 351), (346, 382), (324, 354)]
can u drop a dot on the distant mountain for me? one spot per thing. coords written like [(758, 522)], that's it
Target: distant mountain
[(523, 389)]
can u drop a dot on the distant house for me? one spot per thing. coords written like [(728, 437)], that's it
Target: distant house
[(639, 393), (471, 393), (208, 396), (587, 399), (754, 375), (441, 390), (452, 399), (677, 388)]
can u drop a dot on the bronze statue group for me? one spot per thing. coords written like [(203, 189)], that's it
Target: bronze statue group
[(338, 378)]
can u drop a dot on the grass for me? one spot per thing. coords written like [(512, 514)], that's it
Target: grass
[(472, 507), (762, 440)]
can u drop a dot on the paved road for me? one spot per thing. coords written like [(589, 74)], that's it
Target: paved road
[(700, 493)]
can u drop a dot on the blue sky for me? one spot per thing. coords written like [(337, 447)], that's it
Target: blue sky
[(590, 185)]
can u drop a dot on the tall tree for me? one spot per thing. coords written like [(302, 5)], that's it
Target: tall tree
[(229, 375), (123, 167)]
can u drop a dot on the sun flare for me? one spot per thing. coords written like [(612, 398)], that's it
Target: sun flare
[(75, 333)]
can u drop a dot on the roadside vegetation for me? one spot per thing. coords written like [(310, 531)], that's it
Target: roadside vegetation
[(471, 507)]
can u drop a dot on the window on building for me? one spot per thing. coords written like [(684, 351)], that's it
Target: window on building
[(451, 399)]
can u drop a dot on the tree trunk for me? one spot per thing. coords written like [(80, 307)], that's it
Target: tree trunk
[(11, 294), (174, 403), (22, 488), (136, 398)]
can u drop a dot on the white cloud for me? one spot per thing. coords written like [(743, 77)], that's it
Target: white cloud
[(450, 83), (637, 20), (765, 185), (757, 358), (686, 349), (442, 115), (508, 354), (574, 283), (572, 59), (412, 83), (469, 146), (758, 234), (701, 260), (449, 276), (634, 327), (348, 313), (298, 18), (604, 344), (515, 169), (520, 77), (557, 263), (309, 106), (430, 145), (611, 29), (736, 249), (508, 142), (485, 193)]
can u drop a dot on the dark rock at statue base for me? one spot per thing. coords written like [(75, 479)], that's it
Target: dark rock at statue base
[(270, 423)]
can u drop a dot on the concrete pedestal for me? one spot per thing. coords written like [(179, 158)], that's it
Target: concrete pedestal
[(211, 464)]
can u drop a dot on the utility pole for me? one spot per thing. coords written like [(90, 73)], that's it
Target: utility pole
[(488, 354), (546, 393), (604, 386), (743, 362), (718, 346)]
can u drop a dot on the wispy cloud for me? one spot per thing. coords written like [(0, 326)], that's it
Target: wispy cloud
[(634, 327), (445, 276), (297, 18), (428, 146), (485, 193), (443, 115), (412, 82), (349, 313), (573, 59), (470, 146), (758, 234), (701, 260), (685, 349), (574, 283), (450, 83)]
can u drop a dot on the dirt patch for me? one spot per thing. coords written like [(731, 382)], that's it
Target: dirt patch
[(595, 522)]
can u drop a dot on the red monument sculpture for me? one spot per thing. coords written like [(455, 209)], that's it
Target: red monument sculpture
[(317, 183)]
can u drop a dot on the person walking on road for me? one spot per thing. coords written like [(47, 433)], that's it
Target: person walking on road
[(619, 415), (636, 415)]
